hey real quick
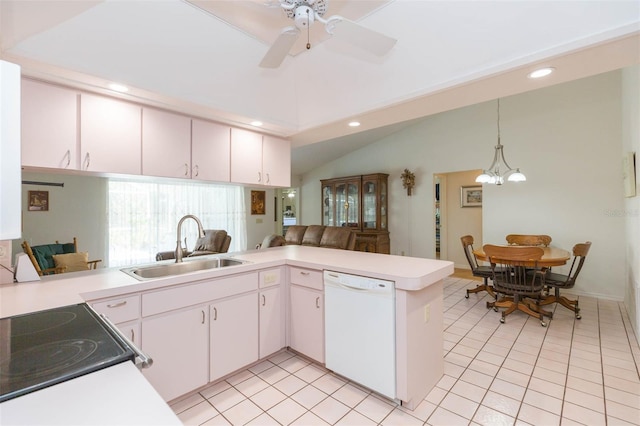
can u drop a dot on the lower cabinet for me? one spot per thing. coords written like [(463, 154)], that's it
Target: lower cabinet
[(271, 321), (179, 345), (306, 333), (234, 334)]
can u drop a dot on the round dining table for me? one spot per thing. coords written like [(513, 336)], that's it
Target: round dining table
[(553, 256)]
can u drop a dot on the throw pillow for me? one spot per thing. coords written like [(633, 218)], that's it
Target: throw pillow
[(72, 261)]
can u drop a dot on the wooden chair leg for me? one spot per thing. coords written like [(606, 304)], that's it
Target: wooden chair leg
[(482, 287)]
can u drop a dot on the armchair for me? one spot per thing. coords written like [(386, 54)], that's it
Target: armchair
[(214, 241), (57, 258)]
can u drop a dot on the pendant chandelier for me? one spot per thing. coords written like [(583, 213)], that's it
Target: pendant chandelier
[(499, 168)]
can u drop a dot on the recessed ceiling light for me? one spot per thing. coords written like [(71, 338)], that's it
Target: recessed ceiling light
[(542, 72), (118, 87), (256, 123), (354, 123)]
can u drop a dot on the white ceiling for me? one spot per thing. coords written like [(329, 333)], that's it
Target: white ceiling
[(449, 54)]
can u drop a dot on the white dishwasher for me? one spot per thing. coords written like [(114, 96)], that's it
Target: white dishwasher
[(360, 337)]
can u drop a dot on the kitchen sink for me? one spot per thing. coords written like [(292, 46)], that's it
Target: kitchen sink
[(168, 269)]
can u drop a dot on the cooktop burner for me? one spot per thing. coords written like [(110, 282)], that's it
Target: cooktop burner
[(48, 347), (47, 358)]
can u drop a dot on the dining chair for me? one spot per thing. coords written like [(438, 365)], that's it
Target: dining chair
[(528, 240), (517, 279), (560, 281), (484, 272)]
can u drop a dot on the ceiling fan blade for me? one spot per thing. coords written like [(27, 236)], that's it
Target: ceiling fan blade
[(362, 37), (280, 48)]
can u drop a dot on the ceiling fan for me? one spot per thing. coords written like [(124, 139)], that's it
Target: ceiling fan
[(304, 13)]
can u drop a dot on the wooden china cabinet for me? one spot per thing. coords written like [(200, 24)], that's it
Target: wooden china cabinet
[(360, 203)]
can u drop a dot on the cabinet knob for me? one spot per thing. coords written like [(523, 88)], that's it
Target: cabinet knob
[(87, 161), (318, 302), (117, 305), (259, 177), (204, 316), (264, 300), (186, 169)]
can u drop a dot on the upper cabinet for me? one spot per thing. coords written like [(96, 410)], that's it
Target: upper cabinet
[(210, 151), (64, 128), (246, 157), (258, 160), (49, 126), (166, 144), (110, 133), (276, 161)]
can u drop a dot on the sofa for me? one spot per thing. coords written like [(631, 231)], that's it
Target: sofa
[(214, 241), (321, 236)]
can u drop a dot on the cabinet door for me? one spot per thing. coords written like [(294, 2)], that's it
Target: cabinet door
[(234, 334), (246, 157), (49, 126), (210, 151), (132, 331), (110, 135), (178, 344), (307, 322), (271, 321), (166, 144), (276, 161)]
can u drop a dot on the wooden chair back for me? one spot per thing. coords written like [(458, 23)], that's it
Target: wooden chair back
[(515, 269), (580, 252), (528, 240), (467, 245)]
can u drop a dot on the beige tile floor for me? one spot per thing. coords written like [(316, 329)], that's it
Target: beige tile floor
[(573, 372)]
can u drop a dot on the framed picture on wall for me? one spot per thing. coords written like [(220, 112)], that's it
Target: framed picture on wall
[(258, 199), (471, 196), (38, 201)]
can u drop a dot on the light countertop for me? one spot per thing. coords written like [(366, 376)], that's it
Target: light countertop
[(409, 274)]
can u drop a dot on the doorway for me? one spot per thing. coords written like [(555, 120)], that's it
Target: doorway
[(451, 219), (289, 208)]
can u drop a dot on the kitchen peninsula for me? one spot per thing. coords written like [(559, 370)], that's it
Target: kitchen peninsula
[(158, 313)]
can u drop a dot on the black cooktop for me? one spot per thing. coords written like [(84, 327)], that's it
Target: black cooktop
[(48, 347)]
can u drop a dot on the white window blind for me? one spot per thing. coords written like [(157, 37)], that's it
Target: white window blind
[(143, 217)]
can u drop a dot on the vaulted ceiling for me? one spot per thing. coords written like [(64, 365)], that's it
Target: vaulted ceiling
[(203, 59)]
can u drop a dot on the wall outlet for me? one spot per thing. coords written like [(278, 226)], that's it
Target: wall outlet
[(258, 220), (427, 313), (5, 251)]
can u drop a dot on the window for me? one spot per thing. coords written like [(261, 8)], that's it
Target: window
[(143, 217)]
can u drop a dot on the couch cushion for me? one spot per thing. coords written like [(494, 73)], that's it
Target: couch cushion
[(294, 234), (313, 235), (336, 237), (72, 262), (273, 240)]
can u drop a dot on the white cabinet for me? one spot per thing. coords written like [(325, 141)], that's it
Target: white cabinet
[(307, 322), (124, 312), (10, 173), (234, 334), (246, 157), (276, 161), (49, 126), (110, 135), (210, 151), (166, 144), (179, 345), (272, 312), (259, 161), (306, 312)]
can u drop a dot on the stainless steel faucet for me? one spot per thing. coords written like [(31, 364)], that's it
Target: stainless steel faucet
[(179, 232)]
